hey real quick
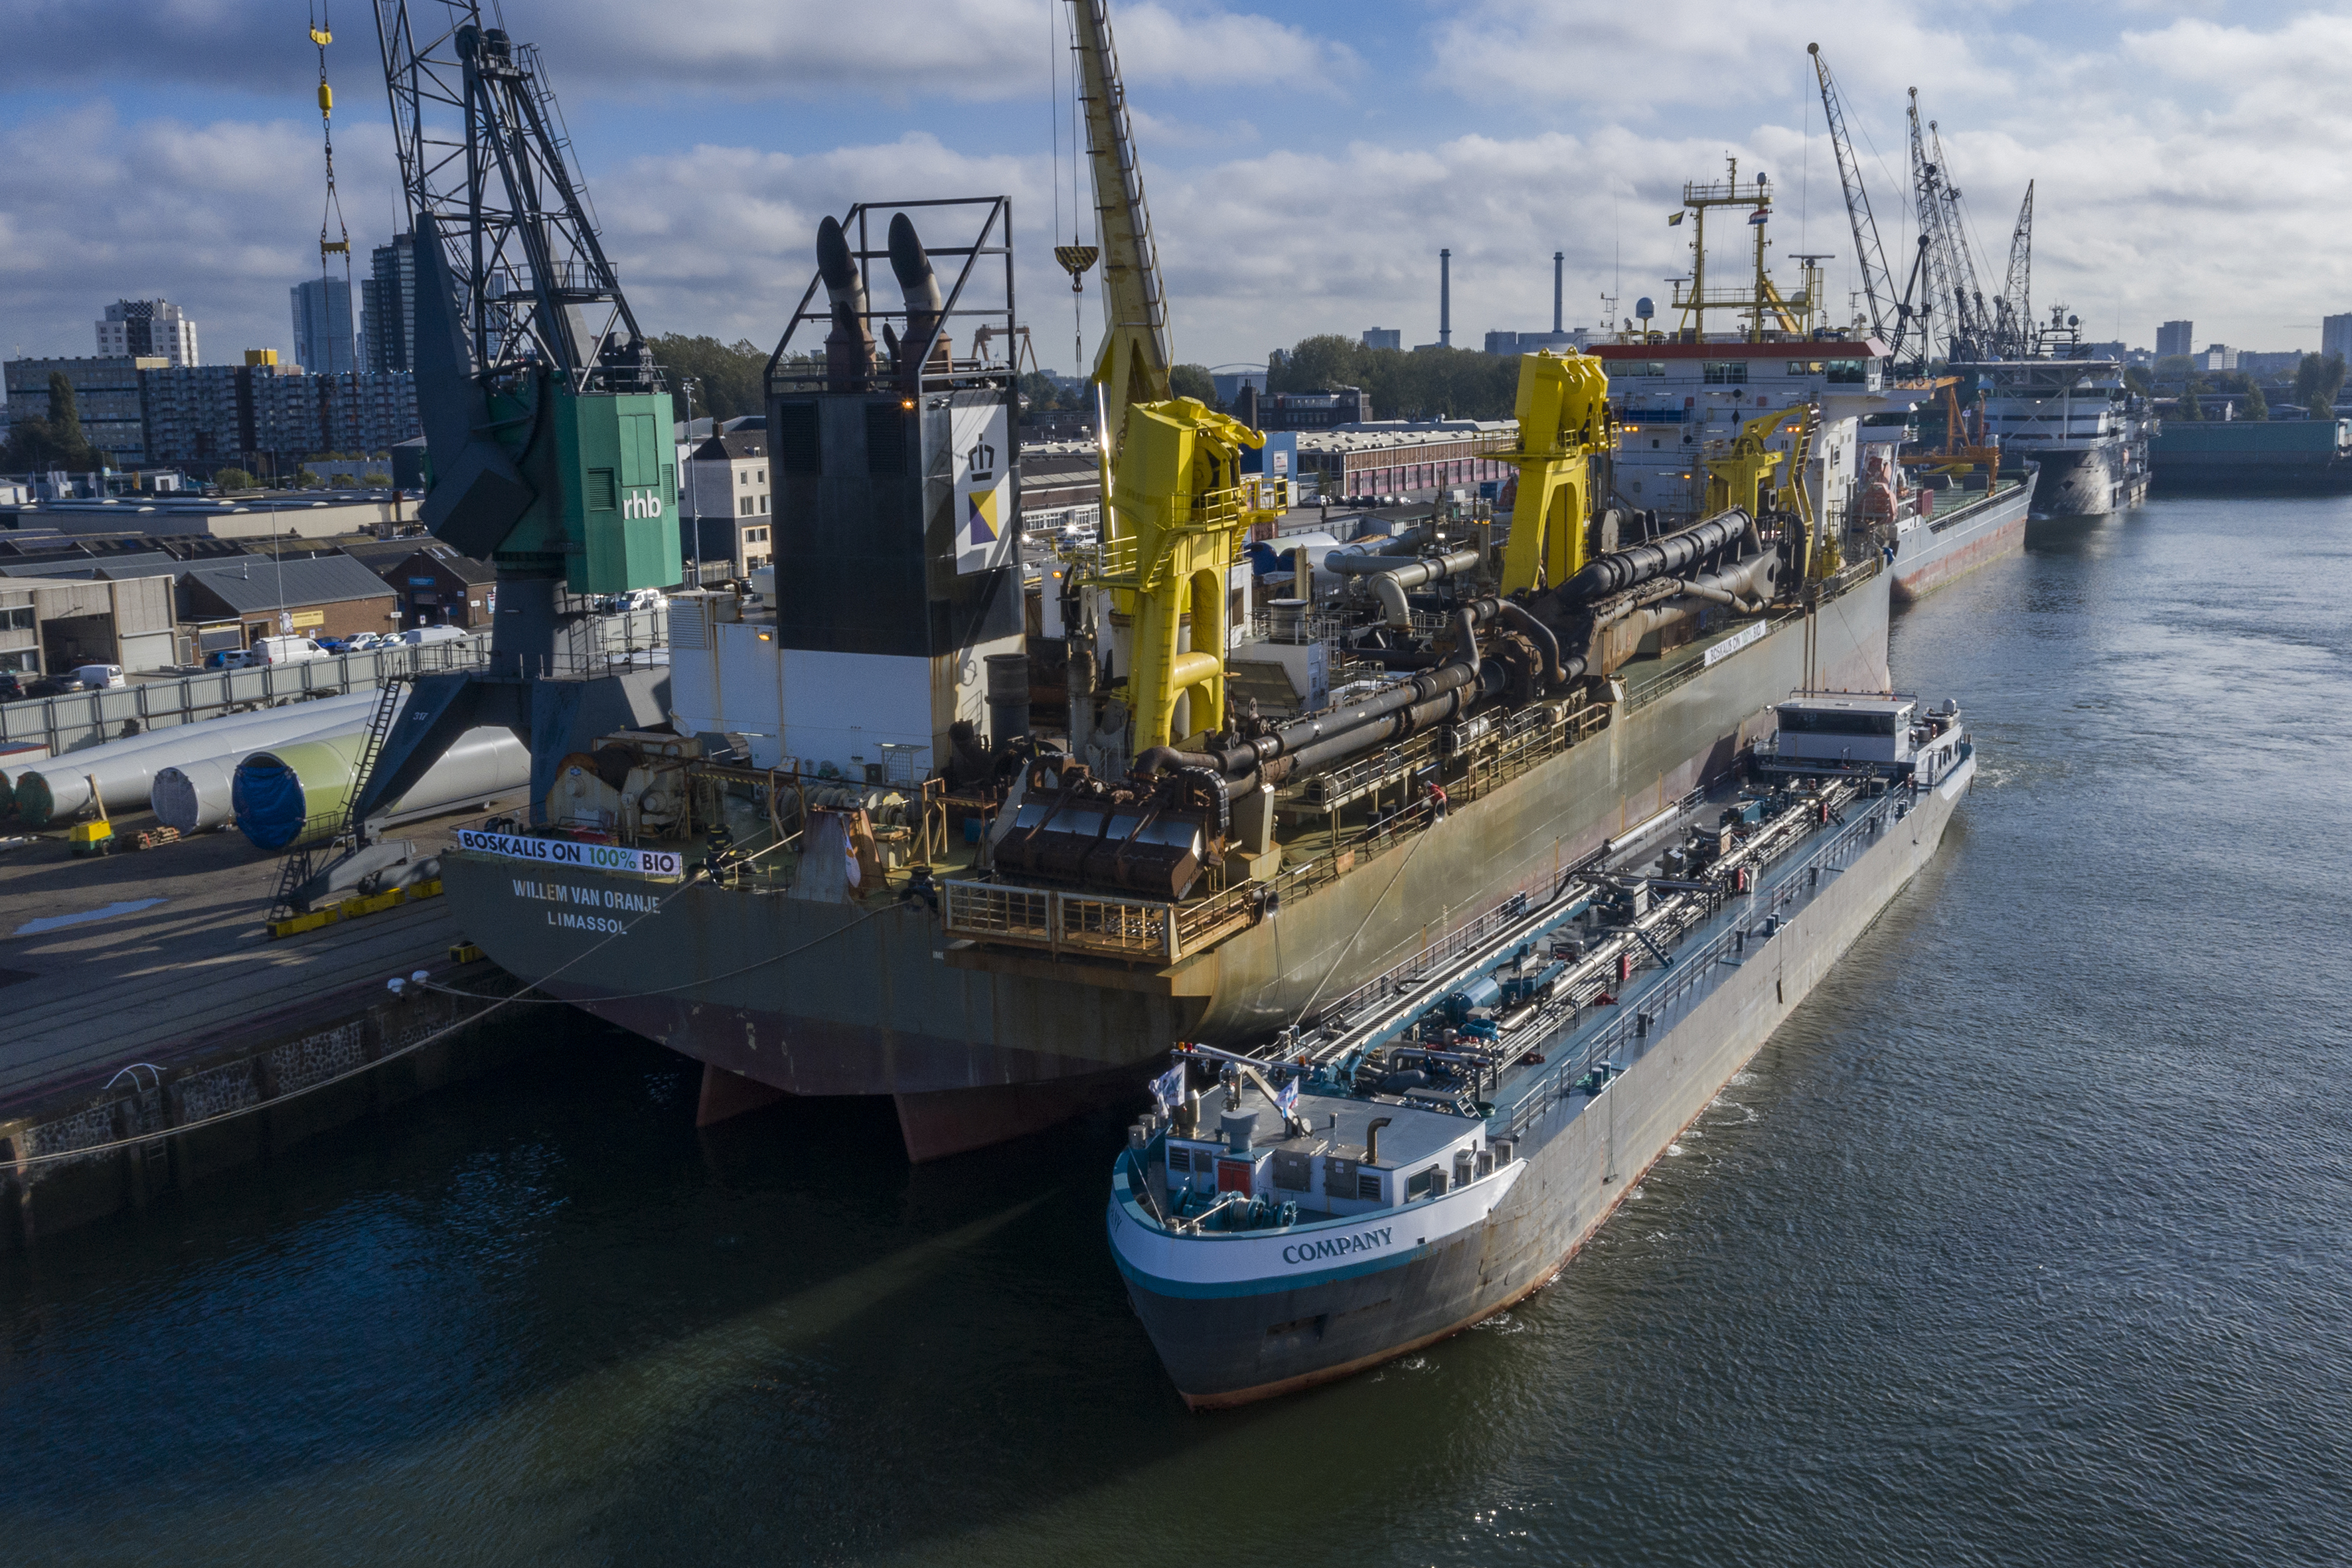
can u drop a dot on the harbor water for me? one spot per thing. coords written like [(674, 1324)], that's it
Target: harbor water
[(2024, 1243)]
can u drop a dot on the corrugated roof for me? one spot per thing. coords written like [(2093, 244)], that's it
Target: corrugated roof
[(256, 581)]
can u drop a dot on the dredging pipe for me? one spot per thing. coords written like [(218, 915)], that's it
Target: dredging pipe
[(1355, 723), (1393, 577), (1631, 567)]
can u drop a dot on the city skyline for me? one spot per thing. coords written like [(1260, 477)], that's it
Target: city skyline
[(1294, 189)]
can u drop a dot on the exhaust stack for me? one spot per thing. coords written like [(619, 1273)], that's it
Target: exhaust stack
[(912, 267), (849, 347)]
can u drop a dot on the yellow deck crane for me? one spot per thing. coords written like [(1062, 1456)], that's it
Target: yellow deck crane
[(1564, 421), (1759, 479), (1175, 508)]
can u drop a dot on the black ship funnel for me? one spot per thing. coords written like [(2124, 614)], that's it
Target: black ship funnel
[(912, 266), (849, 347)]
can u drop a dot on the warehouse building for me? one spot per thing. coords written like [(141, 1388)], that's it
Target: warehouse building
[(235, 605), (55, 625)]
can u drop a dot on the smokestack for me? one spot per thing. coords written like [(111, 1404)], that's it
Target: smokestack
[(1558, 260), (1445, 299), (912, 266), (849, 347)]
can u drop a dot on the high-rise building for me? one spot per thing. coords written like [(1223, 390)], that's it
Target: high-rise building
[(1384, 337), (147, 329), (2336, 336), (106, 396), (266, 416), (388, 307), (2175, 337), (323, 326)]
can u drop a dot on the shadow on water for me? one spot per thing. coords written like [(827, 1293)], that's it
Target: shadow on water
[(2011, 1246)]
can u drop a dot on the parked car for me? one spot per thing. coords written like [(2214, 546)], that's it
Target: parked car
[(226, 659), (284, 650), (364, 642), (417, 637), (99, 676)]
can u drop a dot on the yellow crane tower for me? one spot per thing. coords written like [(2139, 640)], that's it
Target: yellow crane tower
[(1564, 419), (1174, 506)]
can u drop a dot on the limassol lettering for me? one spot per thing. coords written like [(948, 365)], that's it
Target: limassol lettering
[(1335, 1246)]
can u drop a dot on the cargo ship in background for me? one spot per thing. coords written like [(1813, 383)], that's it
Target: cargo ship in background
[(997, 895), (1426, 1158), (2069, 415)]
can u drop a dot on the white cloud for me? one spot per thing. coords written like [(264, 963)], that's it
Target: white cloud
[(216, 217), (1639, 61), (2187, 168), (898, 50)]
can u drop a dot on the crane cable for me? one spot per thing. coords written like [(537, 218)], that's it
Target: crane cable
[(322, 34)]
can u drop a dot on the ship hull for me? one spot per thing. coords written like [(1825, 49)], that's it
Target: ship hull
[(2086, 481), (817, 998), (1937, 550), (1446, 1264)]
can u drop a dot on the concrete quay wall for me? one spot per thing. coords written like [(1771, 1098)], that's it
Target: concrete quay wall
[(258, 1091)]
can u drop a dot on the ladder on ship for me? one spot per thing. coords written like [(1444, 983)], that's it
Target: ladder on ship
[(313, 847)]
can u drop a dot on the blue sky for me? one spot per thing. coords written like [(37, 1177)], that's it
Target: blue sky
[(1303, 161)]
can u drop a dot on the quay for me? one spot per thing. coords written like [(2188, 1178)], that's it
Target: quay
[(139, 993)]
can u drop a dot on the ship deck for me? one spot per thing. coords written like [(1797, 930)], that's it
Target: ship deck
[(1568, 1048)]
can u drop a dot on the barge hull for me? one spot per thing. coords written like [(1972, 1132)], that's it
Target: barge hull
[(1931, 555), (1580, 1161)]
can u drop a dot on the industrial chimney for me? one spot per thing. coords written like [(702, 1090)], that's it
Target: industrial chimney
[(1445, 299), (1558, 261)]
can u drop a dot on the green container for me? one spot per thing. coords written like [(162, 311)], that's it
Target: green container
[(623, 513), (605, 471)]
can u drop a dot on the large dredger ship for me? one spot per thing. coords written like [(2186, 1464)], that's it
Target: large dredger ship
[(989, 834)]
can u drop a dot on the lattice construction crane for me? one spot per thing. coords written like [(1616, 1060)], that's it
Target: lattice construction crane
[(1890, 317), (2013, 325)]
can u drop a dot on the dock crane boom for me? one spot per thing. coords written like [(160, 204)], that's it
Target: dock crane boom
[(1175, 505), (2015, 328), (1136, 358), (1973, 310), (1952, 288), (1878, 284)]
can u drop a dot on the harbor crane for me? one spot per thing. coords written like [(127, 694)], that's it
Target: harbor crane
[(547, 423), (1952, 287), (1890, 317)]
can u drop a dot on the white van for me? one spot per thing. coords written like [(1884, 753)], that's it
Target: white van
[(417, 637), (99, 676), (285, 650)]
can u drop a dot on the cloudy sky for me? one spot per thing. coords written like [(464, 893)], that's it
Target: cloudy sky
[(1304, 160)]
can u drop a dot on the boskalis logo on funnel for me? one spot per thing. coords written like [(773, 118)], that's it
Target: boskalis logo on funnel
[(980, 504)]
